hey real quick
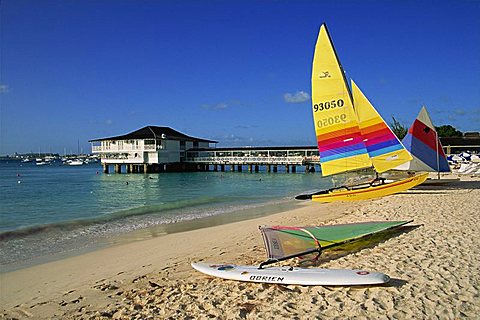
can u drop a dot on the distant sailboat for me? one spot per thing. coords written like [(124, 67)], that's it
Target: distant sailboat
[(351, 135), (425, 147)]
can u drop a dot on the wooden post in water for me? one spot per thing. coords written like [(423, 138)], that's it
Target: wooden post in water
[(256, 168), (294, 168), (239, 168), (145, 168), (269, 168), (105, 168), (222, 167), (287, 168), (118, 168), (249, 168), (275, 169)]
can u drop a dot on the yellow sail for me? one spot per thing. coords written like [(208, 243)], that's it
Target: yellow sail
[(385, 150), (339, 139)]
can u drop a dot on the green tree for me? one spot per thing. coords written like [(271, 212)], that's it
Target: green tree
[(398, 129), (448, 131)]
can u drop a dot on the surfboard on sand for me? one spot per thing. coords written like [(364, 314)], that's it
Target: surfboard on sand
[(292, 275)]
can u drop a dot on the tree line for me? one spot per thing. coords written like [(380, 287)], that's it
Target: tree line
[(400, 130)]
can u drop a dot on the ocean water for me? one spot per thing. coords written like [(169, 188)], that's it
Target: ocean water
[(54, 210)]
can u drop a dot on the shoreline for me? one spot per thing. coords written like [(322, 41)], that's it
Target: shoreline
[(434, 268), (160, 230), (121, 262)]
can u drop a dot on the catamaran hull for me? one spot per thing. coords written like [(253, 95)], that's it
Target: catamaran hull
[(371, 192), (291, 275)]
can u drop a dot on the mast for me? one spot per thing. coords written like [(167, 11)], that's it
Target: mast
[(339, 64), (438, 155)]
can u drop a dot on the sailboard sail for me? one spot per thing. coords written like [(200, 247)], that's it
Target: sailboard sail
[(283, 242), (351, 135), (423, 143)]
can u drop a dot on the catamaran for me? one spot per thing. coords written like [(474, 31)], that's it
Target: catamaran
[(351, 135)]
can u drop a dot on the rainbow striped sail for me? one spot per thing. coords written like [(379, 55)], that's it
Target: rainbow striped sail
[(350, 133), (384, 148), (338, 134), (425, 146)]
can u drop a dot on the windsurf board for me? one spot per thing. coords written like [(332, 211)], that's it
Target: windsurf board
[(292, 275)]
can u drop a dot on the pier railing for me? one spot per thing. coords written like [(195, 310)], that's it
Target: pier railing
[(253, 156), (123, 148), (295, 160)]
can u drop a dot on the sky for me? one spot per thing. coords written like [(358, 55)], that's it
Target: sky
[(237, 72)]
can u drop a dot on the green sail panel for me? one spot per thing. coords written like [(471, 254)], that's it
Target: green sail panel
[(283, 241)]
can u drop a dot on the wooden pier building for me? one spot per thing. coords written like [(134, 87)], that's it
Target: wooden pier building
[(160, 149), (149, 149)]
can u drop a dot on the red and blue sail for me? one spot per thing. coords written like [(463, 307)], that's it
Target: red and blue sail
[(423, 143)]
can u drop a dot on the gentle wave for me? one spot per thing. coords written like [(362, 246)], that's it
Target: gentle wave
[(164, 213), (61, 238)]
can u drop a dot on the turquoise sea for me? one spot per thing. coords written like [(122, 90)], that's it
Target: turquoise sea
[(51, 211)]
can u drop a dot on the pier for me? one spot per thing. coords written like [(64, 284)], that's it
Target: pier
[(252, 158)]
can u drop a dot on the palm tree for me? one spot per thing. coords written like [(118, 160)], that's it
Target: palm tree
[(398, 129)]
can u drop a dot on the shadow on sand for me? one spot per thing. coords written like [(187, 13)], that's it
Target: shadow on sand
[(355, 246), (451, 186)]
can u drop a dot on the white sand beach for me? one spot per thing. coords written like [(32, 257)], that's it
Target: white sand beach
[(435, 269)]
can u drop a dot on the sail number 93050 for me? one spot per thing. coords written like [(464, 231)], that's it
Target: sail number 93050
[(328, 105), (339, 118)]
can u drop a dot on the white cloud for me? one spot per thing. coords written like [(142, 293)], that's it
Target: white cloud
[(108, 122), (297, 97), (4, 88), (218, 106), (245, 126)]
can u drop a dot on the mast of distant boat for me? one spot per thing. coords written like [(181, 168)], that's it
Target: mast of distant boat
[(438, 155)]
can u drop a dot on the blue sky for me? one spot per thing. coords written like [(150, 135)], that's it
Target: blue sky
[(233, 71)]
